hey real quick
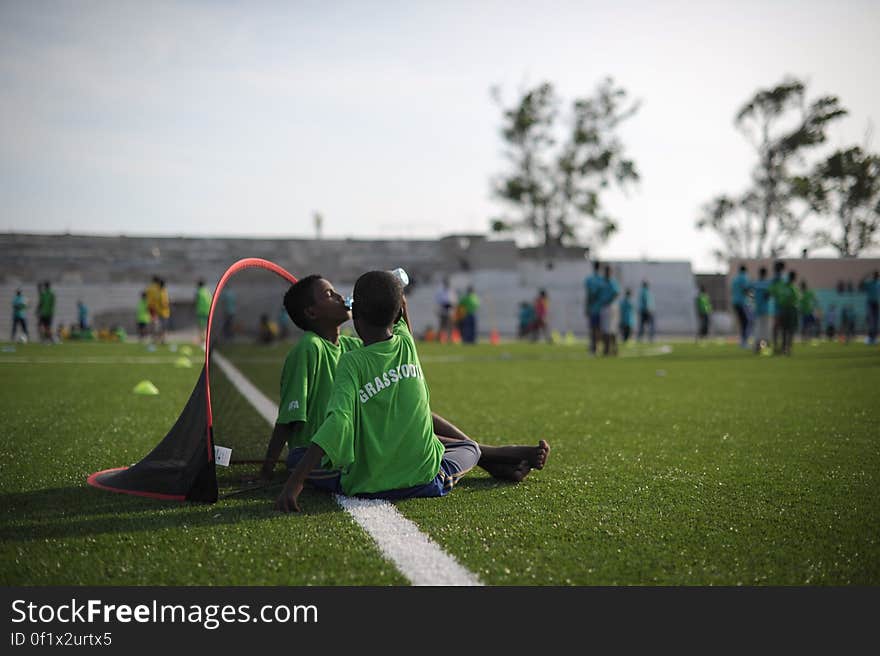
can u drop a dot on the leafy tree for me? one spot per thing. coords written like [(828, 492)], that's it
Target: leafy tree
[(557, 174), (781, 126), (844, 192)]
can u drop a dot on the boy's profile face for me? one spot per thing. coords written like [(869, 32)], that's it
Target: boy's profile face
[(327, 304)]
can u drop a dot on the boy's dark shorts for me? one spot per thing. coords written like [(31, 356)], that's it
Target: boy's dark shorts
[(458, 459)]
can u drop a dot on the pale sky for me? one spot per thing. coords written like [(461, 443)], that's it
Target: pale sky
[(245, 118)]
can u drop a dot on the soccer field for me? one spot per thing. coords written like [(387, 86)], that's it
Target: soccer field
[(692, 465)]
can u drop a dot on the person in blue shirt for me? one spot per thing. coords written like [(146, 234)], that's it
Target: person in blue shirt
[(627, 320), (608, 319), (83, 314), (872, 291), (738, 288), (646, 311), (19, 315), (761, 290), (526, 319), (780, 279), (594, 285)]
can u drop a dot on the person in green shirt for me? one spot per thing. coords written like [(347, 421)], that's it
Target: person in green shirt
[(46, 311), (776, 283), (143, 317), (309, 371), (468, 306), (203, 308), (807, 307), (379, 433), (787, 301), (704, 311)]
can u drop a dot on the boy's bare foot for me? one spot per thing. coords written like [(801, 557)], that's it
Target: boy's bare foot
[(534, 456), (509, 472), (543, 452)]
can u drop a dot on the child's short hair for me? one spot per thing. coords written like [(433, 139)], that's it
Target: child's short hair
[(378, 298), (300, 296)]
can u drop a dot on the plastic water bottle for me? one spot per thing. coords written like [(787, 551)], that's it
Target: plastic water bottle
[(401, 275), (349, 301)]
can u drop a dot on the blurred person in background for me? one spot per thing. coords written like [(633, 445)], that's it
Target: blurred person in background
[(467, 325), (704, 312), (164, 311), (627, 318), (19, 315), (608, 314), (540, 322), (646, 311), (738, 288), (46, 311), (807, 309), (203, 308), (446, 301), (871, 287)]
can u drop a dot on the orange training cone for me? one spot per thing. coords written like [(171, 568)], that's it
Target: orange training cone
[(493, 337), (456, 336)]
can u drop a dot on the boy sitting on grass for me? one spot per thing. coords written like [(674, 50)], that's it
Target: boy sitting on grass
[(379, 432), (307, 378)]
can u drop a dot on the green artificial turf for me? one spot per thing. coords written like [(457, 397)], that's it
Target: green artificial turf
[(66, 420), (702, 466)]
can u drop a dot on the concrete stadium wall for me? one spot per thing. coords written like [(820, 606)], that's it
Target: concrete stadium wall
[(109, 273)]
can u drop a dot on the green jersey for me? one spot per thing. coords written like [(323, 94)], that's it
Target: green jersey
[(306, 382), (776, 285), (378, 429), (704, 305), (143, 311), (787, 297), (470, 303), (46, 306), (808, 302), (203, 302)]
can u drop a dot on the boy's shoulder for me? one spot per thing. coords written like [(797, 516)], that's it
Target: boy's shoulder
[(308, 342), (348, 343)]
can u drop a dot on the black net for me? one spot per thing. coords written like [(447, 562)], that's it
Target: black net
[(250, 336)]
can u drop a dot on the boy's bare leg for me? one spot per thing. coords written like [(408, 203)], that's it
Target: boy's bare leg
[(534, 456), (512, 463), (506, 472), (507, 462)]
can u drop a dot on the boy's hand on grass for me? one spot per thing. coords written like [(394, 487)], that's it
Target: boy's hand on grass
[(287, 501)]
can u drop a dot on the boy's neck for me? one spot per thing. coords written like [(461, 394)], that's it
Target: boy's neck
[(370, 335), (330, 333)]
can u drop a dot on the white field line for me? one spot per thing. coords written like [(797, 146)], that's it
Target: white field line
[(262, 404), (418, 558), (647, 353)]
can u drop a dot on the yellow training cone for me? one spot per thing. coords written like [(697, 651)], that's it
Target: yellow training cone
[(186, 350), (146, 388), (182, 363)]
